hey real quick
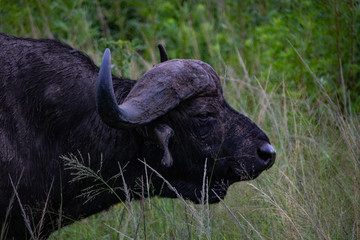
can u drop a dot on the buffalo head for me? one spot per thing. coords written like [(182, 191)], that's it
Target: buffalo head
[(182, 104)]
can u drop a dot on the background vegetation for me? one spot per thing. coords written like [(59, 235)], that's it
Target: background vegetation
[(291, 66)]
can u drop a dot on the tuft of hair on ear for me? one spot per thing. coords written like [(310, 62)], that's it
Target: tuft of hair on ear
[(164, 133)]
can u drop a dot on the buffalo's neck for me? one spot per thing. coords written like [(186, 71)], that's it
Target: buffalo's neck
[(111, 154)]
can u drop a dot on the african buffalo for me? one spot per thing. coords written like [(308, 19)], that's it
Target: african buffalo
[(56, 103)]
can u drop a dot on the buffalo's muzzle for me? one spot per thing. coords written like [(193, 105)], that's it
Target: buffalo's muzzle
[(267, 153)]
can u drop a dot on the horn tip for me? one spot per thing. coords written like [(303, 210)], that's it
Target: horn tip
[(163, 54), (106, 60), (107, 53)]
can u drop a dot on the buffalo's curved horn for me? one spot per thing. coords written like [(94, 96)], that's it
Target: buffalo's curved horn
[(163, 54), (159, 90), (106, 104)]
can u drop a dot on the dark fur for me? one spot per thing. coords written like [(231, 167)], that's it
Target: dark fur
[(47, 110)]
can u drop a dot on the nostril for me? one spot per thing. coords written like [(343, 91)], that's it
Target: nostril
[(267, 153)]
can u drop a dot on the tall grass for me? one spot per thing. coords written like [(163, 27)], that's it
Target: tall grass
[(312, 191)]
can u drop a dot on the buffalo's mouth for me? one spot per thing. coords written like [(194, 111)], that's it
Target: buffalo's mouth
[(212, 192), (219, 187), (214, 189), (198, 193)]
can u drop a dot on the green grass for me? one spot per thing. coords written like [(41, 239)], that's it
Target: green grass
[(278, 65)]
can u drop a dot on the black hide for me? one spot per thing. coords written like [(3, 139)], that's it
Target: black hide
[(48, 110)]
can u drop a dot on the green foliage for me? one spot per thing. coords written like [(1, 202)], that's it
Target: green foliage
[(291, 66), (325, 33)]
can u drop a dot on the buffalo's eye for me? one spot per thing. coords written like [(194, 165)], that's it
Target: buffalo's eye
[(204, 116), (204, 125)]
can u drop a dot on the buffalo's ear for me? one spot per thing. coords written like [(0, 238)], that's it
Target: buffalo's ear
[(163, 54), (164, 133)]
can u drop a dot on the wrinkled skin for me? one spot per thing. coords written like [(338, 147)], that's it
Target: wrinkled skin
[(48, 109)]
